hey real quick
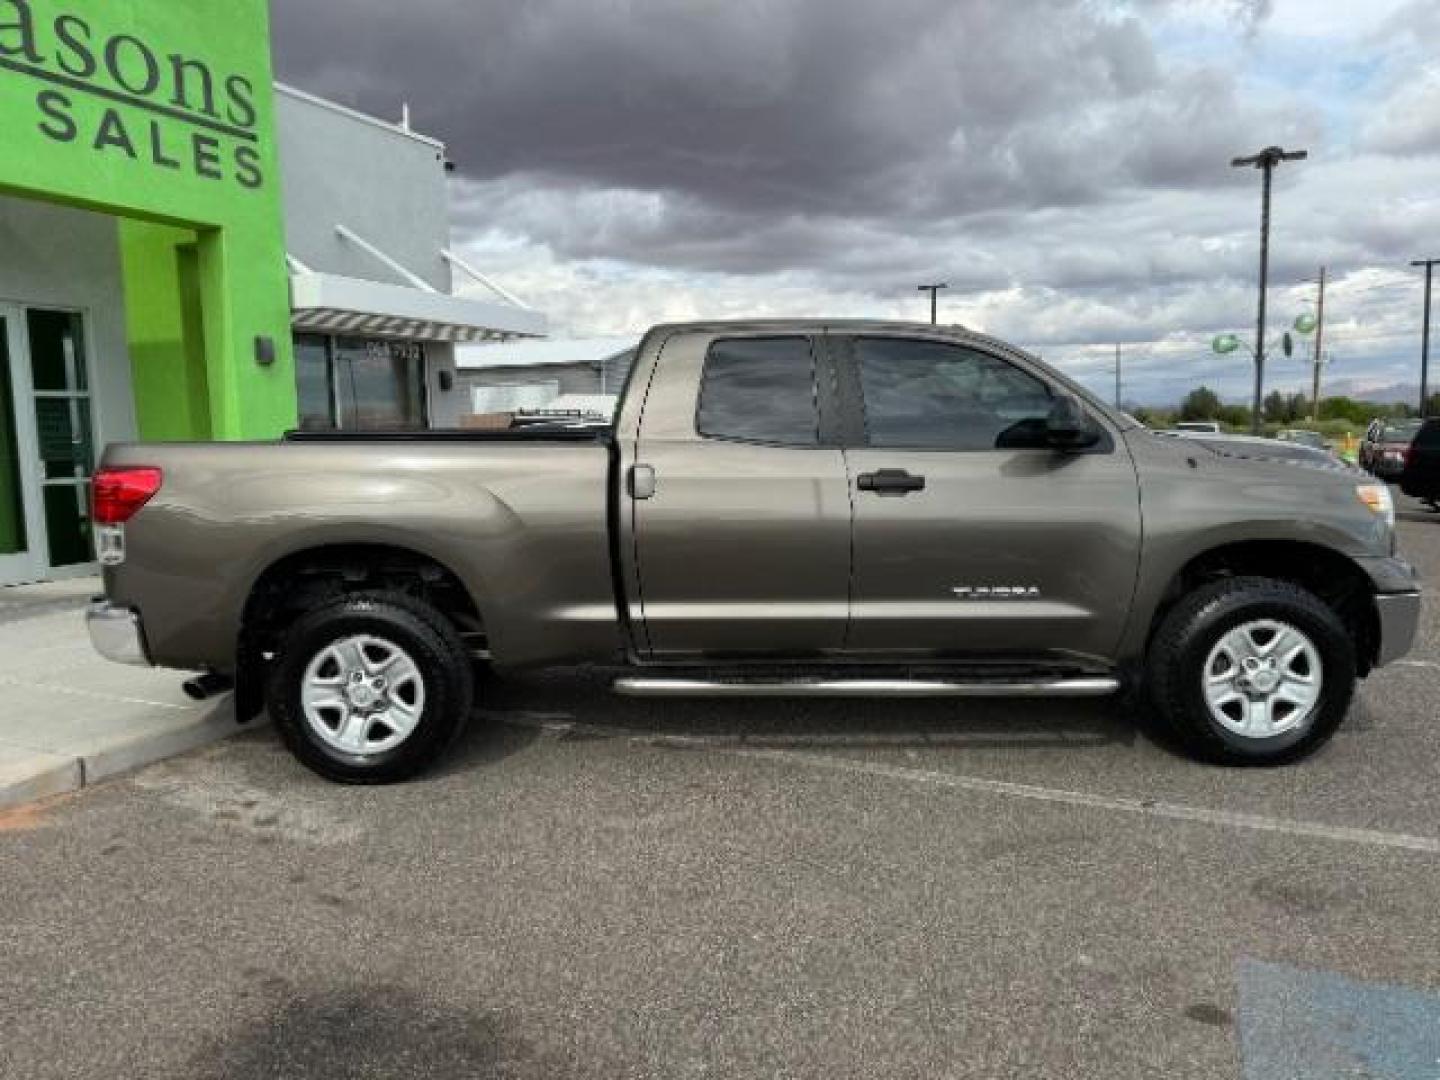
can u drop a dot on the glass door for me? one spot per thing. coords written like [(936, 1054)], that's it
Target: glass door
[(19, 500), (65, 443)]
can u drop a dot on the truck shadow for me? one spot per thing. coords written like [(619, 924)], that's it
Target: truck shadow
[(577, 704)]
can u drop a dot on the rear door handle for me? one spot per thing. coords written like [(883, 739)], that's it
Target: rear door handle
[(890, 482)]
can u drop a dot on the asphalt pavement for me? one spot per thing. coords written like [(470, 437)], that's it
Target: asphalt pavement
[(596, 887)]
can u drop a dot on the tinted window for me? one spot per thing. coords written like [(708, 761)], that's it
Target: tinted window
[(1399, 431), (928, 394), (760, 389), (1429, 435)]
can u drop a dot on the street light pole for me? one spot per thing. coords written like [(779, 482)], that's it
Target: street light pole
[(1265, 161), (933, 290), (1429, 265), (1319, 346)]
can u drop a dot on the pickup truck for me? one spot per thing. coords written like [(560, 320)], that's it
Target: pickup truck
[(816, 508)]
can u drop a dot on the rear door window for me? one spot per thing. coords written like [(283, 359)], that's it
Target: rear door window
[(760, 390)]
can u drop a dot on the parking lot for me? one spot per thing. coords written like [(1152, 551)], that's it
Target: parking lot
[(595, 887)]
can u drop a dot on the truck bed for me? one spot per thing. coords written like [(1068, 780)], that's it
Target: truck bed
[(522, 517)]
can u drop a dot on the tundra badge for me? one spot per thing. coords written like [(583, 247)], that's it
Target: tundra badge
[(996, 592)]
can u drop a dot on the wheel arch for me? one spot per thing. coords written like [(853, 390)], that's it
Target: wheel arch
[(1330, 575), (295, 582)]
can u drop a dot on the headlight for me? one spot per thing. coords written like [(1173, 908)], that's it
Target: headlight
[(1377, 498)]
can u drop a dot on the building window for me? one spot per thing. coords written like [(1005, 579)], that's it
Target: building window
[(360, 384), (513, 397), (313, 381)]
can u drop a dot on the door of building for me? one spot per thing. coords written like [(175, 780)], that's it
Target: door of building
[(47, 450)]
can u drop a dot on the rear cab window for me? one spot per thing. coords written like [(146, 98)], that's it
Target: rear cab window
[(761, 390)]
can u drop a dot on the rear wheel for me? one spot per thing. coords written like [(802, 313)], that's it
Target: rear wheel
[(370, 688), (1251, 670)]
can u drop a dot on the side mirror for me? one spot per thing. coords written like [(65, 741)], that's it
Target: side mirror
[(1068, 427)]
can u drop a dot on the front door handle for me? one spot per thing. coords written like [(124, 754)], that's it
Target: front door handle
[(890, 482)]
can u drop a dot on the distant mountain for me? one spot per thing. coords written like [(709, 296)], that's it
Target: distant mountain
[(1374, 390)]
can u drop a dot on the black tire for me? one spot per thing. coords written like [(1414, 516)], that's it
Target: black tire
[(429, 640), (1175, 668)]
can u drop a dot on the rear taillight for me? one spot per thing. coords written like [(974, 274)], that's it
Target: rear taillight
[(119, 493)]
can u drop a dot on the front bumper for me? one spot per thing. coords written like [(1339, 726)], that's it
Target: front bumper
[(1397, 605), (116, 633), (1399, 617)]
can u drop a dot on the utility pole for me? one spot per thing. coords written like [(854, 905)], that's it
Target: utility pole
[(1319, 347), (1429, 265), (1265, 161), (933, 290), (1117, 375)]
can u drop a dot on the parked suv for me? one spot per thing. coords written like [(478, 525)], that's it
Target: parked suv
[(1385, 447), (1421, 478)]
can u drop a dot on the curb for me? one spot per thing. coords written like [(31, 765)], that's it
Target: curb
[(30, 775)]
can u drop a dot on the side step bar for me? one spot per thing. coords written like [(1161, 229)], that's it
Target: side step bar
[(1090, 686)]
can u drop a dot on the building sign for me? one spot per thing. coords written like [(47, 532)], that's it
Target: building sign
[(117, 92)]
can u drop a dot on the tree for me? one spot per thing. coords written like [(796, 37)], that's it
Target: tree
[(1432, 405), (1347, 409), (1235, 416), (1276, 408), (1202, 403), (1298, 408)]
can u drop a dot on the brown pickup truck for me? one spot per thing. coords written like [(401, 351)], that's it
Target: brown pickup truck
[(779, 508)]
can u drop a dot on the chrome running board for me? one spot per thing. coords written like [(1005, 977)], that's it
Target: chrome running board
[(1089, 686)]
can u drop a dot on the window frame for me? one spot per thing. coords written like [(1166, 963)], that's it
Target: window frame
[(856, 428), (823, 381)]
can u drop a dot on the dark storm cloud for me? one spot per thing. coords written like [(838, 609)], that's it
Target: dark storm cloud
[(749, 114)]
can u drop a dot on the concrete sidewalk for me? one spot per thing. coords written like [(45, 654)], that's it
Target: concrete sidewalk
[(73, 718)]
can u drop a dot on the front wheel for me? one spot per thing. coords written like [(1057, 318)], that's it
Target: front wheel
[(1251, 670), (370, 688)]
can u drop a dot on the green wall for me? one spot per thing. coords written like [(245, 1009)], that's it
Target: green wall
[(162, 112)]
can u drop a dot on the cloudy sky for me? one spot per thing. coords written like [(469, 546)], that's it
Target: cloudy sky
[(1063, 164)]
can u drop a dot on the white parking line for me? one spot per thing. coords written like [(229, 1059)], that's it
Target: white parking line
[(97, 695), (1429, 665), (559, 725), (1144, 807)]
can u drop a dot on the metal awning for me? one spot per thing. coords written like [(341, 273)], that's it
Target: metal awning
[(332, 304)]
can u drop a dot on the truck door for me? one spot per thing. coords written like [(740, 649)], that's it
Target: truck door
[(971, 535), (740, 500)]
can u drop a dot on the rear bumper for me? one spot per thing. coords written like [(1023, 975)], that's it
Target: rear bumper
[(116, 633), (1387, 470)]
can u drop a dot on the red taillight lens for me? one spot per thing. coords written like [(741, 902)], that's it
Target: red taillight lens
[(119, 493)]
